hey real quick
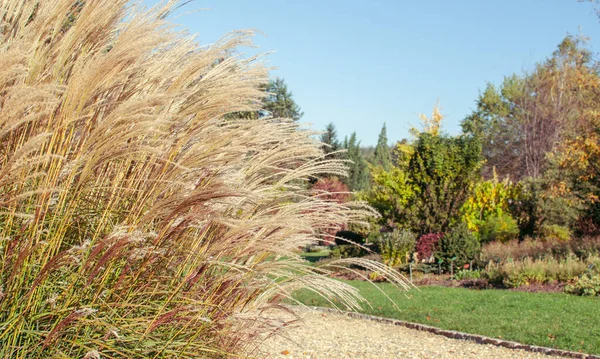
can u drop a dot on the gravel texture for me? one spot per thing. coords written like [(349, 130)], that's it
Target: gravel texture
[(331, 336)]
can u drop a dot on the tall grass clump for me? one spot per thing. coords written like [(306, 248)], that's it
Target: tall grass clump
[(396, 247), (135, 222)]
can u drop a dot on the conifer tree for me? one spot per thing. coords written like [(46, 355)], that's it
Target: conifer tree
[(280, 103), (330, 140), (382, 155), (358, 174)]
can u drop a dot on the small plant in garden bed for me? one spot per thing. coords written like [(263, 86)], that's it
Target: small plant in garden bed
[(396, 247), (347, 251), (513, 274), (426, 245), (587, 284), (457, 247), (465, 274)]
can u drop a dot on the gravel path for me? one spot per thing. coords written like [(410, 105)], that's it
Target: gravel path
[(333, 336)]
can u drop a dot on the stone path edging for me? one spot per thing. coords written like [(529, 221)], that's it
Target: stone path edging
[(480, 339)]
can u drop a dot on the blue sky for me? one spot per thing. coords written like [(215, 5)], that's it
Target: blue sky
[(359, 64)]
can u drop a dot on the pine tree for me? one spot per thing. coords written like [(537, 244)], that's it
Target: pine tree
[(280, 103), (329, 139), (382, 155), (358, 174)]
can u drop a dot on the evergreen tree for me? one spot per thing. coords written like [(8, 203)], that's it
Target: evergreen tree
[(277, 103), (442, 170), (329, 139), (382, 155), (358, 174), (280, 103)]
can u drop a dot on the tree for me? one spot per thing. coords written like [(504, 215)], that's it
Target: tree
[(329, 139), (358, 173), (382, 156), (442, 171), (431, 179), (524, 119), (391, 194), (279, 101)]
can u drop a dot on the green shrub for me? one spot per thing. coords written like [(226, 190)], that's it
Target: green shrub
[(502, 228), (493, 274), (347, 251), (424, 268), (465, 274), (555, 232), (540, 207), (587, 285), (396, 247), (460, 246)]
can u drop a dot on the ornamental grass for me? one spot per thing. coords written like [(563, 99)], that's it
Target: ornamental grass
[(135, 220)]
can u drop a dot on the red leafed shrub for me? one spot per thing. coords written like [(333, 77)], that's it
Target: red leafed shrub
[(587, 227), (331, 189), (426, 244)]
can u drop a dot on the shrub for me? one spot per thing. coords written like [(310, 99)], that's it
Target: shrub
[(535, 249), (589, 225), (514, 250), (586, 247), (555, 232), (513, 274), (502, 228), (465, 274), (440, 169), (135, 220), (348, 237), (540, 206), (332, 189), (395, 247), (588, 285), (347, 251), (489, 199), (426, 245), (424, 268), (493, 274), (460, 246)]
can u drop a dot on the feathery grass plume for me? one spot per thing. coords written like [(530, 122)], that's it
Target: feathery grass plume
[(135, 222)]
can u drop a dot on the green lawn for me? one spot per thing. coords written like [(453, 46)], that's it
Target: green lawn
[(547, 319)]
